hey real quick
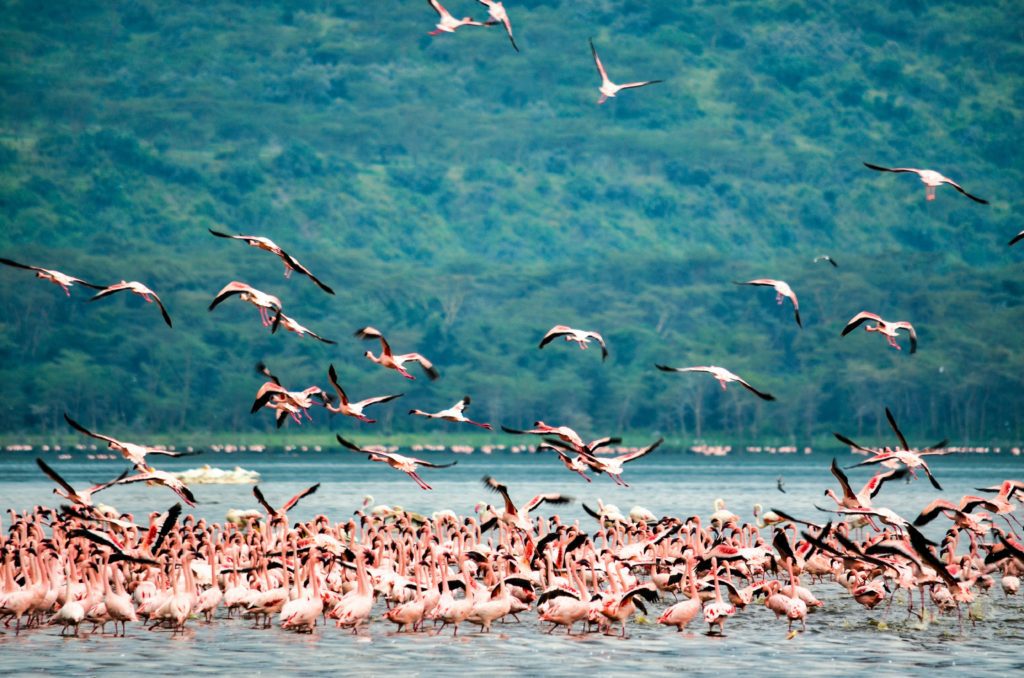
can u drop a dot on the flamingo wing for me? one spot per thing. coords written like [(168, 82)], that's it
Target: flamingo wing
[(554, 333), (904, 325), (960, 188), (640, 453), (295, 500), (932, 510), (844, 482), (371, 333), (352, 446), (551, 498), (760, 394), (874, 484), (1016, 239), (597, 62), (428, 367), (163, 311), (430, 464), (110, 289), (379, 399), (439, 8), (879, 168), (54, 476), (81, 429), (495, 486), (262, 500), (166, 526), (856, 320), (27, 267), (896, 429), (229, 290), (846, 441), (332, 376), (600, 340), (634, 85)]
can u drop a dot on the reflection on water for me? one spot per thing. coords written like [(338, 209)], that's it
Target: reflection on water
[(842, 638)]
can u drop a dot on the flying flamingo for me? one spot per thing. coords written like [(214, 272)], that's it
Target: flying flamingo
[(613, 465), (139, 289), (497, 12), (608, 88), (455, 413), (136, 454), (723, 376), (56, 277), (564, 432), (825, 257), (870, 490), (581, 337), (931, 180), (782, 290), (282, 513), (519, 517), (449, 24), (392, 361), (153, 477), (268, 245), (292, 326), (888, 329), (261, 300), (350, 409), (398, 462), (79, 497)]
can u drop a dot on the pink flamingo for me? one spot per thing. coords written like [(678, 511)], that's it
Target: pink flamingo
[(888, 329), (261, 300), (497, 12), (449, 24), (723, 376), (399, 462), (352, 409), (392, 361), (930, 178), (782, 291), (56, 277), (455, 413), (581, 337), (136, 288), (268, 245), (608, 88)]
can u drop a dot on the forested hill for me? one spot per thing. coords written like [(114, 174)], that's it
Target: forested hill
[(464, 198)]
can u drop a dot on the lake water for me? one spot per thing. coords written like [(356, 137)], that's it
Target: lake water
[(842, 638)]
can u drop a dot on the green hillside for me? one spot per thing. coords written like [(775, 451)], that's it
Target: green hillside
[(464, 198)]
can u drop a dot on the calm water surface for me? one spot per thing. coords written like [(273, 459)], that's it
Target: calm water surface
[(842, 638)]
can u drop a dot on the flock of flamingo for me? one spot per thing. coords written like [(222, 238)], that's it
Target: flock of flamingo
[(85, 563)]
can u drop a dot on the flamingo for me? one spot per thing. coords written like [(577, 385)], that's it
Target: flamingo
[(392, 361), (268, 245), (519, 517), (575, 464), (870, 490), (455, 413), (352, 409), (608, 88), (139, 289), (449, 24), (888, 329), (931, 180), (581, 337), (723, 376), (64, 280), (613, 465), (563, 432), (261, 300), (79, 497), (271, 394), (398, 462), (825, 257), (497, 12), (715, 613), (682, 613), (281, 514), (291, 325), (154, 477), (782, 290), (136, 454)]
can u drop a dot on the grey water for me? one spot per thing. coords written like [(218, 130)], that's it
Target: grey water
[(842, 638)]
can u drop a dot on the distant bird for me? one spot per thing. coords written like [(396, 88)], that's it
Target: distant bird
[(782, 290), (498, 14), (888, 329), (780, 483), (540, 428), (455, 413), (261, 300), (825, 257), (613, 465), (136, 454), (931, 180), (723, 376), (1016, 239), (295, 403), (292, 326), (608, 88), (350, 409), (56, 277), (581, 337), (266, 244), (447, 23), (392, 361), (139, 289), (398, 462)]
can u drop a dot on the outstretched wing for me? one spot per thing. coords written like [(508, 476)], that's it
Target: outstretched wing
[(641, 453), (262, 500), (760, 394), (597, 62), (81, 429), (856, 320), (54, 476), (896, 429), (295, 500)]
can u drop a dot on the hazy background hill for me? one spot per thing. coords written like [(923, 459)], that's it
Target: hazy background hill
[(464, 198)]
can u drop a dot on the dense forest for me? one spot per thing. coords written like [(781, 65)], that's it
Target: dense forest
[(464, 198)]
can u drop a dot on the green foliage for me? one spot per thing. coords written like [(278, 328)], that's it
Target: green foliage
[(464, 199)]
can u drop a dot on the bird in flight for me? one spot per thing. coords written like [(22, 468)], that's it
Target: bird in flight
[(931, 180), (56, 277), (392, 361), (139, 289), (268, 245), (723, 376), (608, 88), (782, 291), (581, 337), (889, 330)]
